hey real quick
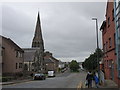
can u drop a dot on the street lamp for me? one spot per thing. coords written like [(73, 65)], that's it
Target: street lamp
[(97, 46)]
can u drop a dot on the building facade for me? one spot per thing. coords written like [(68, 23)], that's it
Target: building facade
[(51, 63), (61, 65), (12, 57), (110, 44)]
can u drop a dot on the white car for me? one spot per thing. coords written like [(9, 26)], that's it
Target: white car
[(51, 74)]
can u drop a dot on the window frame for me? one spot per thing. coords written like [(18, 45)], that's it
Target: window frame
[(16, 65), (110, 42), (108, 21)]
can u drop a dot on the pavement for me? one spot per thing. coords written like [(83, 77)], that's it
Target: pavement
[(107, 84), (15, 81)]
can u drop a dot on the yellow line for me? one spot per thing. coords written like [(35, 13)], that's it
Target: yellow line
[(79, 86)]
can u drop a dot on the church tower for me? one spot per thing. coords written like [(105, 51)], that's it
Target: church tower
[(38, 45), (38, 40)]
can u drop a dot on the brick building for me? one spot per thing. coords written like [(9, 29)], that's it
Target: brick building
[(12, 57), (109, 44), (51, 63)]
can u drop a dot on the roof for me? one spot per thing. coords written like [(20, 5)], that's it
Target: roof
[(48, 61), (12, 42), (103, 25), (55, 59), (29, 54)]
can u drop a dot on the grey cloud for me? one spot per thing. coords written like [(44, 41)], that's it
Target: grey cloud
[(67, 28), (15, 26)]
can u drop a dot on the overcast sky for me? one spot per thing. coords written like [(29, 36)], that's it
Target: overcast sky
[(67, 27)]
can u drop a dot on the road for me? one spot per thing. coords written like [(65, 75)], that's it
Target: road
[(64, 80)]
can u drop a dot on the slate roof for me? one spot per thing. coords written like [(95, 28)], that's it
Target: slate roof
[(10, 41), (48, 61), (29, 54), (103, 25)]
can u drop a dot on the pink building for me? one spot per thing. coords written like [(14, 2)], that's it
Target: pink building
[(12, 57)]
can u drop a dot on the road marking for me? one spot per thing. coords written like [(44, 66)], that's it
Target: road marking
[(79, 86)]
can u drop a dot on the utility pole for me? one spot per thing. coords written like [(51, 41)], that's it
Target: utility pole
[(97, 47)]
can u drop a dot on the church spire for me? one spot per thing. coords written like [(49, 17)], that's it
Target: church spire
[(38, 40)]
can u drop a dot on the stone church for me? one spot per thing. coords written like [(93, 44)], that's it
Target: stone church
[(33, 57)]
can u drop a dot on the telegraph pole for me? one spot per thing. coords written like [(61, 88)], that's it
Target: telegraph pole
[(97, 47)]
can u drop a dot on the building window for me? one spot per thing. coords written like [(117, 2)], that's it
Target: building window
[(108, 21), (110, 63), (113, 14), (106, 46), (1, 53), (16, 53), (110, 42), (16, 65), (20, 65), (19, 54), (38, 44), (107, 64), (35, 44)]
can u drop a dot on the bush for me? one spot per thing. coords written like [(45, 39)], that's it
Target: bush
[(20, 74), (5, 79)]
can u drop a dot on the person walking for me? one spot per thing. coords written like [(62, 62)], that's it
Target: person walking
[(89, 79), (96, 80)]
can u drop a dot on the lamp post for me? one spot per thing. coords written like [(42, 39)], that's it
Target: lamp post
[(97, 47)]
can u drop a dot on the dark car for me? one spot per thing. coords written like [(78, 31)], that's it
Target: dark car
[(39, 76)]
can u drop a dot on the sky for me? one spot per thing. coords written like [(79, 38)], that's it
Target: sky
[(67, 27)]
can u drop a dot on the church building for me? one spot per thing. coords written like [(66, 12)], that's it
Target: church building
[(33, 57)]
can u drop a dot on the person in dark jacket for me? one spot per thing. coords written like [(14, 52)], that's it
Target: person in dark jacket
[(89, 79)]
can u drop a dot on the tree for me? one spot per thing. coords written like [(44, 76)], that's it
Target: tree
[(91, 62), (74, 66)]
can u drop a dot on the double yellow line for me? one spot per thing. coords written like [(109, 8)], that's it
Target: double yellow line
[(80, 85)]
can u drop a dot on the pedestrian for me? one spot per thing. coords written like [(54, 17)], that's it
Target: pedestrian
[(89, 79), (96, 80)]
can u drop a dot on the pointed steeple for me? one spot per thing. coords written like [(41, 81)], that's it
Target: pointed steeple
[(38, 40)]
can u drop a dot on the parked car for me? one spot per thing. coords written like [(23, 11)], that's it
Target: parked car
[(39, 76), (51, 73), (63, 70)]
